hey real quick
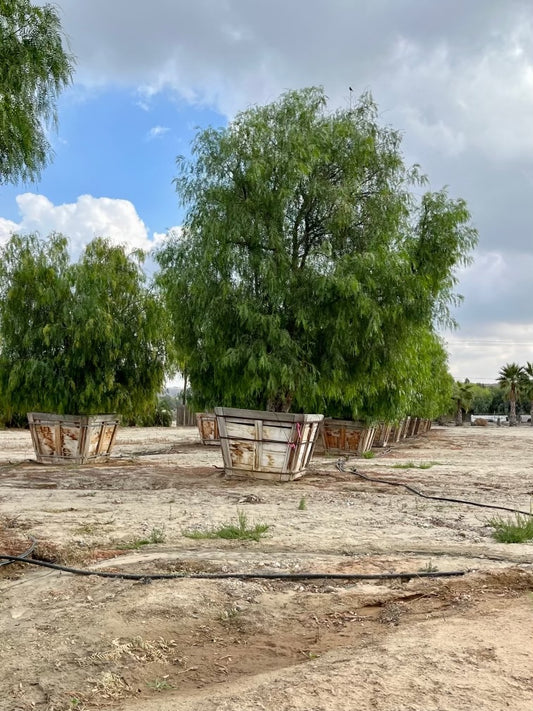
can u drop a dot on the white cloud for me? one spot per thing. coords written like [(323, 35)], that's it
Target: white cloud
[(157, 131), (82, 221), (480, 353), (7, 228), (482, 100), (495, 318)]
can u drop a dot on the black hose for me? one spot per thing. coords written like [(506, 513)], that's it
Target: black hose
[(274, 576), (22, 555), (239, 576), (340, 466)]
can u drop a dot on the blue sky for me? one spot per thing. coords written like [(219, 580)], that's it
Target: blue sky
[(116, 144), (455, 77)]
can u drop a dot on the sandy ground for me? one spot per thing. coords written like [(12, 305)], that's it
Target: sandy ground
[(425, 644)]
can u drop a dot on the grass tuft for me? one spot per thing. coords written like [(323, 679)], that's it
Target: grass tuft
[(511, 530), (241, 532), (415, 465), (157, 535), (428, 568)]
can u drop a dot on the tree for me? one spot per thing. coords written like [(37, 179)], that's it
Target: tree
[(82, 338), (463, 395), (483, 398), (511, 379), (35, 68), (528, 387), (307, 263)]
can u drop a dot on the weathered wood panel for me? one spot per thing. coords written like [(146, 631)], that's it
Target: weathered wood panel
[(185, 417), (347, 436), (71, 439), (266, 445), (208, 428)]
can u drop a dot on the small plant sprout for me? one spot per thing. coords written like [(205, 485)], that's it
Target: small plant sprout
[(302, 506), (157, 535), (368, 454), (159, 684), (428, 568)]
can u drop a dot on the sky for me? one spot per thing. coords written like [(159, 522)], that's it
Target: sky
[(454, 76)]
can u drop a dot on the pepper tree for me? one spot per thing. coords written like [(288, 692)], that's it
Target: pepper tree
[(36, 66), (311, 266), (78, 338)]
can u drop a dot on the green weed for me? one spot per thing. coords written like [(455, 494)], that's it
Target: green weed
[(159, 684), (415, 465), (511, 530), (428, 568), (302, 506), (157, 535), (242, 531)]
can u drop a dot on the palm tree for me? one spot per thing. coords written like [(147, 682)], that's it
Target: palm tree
[(512, 378), (463, 396), (528, 371)]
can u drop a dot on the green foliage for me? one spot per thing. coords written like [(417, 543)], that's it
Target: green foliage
[(483, 399), (241, 532), (15, 420), (511, 530), (512, 378), (36, 67), (80, 338), (528, 387), (302, 505), (462, 395), (309, 275), (159, 415)]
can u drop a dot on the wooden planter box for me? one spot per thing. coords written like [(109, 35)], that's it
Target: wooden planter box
[(405, 428), (208, 427), (276, 446), (425, 426), (72, 439), (396, 432), (413, 426), (420, 426), (384, 431), (346, 436)]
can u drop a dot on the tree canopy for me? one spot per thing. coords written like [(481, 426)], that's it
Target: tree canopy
[(35, 66), (311, 267), (78, 338)]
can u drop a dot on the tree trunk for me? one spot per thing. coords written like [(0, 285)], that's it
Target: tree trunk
[(459, 415), (185, 379), (512, 411)]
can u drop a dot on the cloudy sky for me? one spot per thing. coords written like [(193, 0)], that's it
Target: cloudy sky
[(455, 76)]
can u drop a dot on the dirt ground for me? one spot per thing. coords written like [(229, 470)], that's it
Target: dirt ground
[(423, 644)]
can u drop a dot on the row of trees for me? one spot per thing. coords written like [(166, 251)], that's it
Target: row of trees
[(311, 273), (512, 394)]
